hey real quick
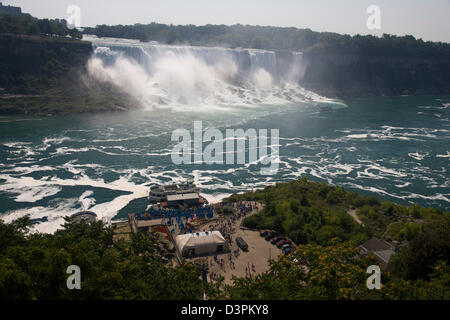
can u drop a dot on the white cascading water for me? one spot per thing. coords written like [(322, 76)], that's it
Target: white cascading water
[(167, 76)]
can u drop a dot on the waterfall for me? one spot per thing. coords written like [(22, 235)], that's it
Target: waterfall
[(245, 59), (266, 60), (167, 75)]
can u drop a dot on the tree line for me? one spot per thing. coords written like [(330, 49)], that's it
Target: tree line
[(29, 25), (274, 38)]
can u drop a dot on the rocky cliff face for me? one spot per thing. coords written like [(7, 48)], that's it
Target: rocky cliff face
[(352, 75), (46, 76), (30, 63), (30, 45)]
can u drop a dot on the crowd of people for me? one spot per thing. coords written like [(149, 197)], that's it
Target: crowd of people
[(243, 208), (188, 213), (226, 224)]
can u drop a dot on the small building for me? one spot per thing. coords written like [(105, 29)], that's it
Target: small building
[(10, 10), (201, 243), (84, 216), (381, 249), (122, 230)]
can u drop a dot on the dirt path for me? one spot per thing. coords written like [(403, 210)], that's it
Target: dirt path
[(352, 212)]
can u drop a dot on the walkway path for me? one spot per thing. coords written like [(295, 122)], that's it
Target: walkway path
[(352, 212)]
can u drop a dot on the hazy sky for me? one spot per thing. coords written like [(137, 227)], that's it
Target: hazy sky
[(426, 19)]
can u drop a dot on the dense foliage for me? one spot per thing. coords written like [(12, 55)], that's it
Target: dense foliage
[(335, 272), (312, 212), (416, 261), (371, 66), (33, 266), (326, 265), (26, 24)]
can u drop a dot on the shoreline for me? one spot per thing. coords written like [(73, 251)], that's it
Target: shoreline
[(16, 108), (9, 107)]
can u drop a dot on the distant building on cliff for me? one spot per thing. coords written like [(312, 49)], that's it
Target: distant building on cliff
[(10, 9)]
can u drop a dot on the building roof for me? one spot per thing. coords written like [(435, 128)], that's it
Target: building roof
[(84, 212), (384, 255), (375, 244), (199, 238), (88, 216), (382, 250)]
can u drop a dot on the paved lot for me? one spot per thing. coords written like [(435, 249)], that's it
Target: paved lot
[(258, 254)]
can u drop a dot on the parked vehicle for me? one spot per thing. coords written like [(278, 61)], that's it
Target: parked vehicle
[(283, 242), (274, 240), (286, 249), (270, 235), (264, 233), (242, 244)]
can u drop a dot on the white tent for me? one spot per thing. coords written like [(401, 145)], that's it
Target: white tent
[(201, 243)]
